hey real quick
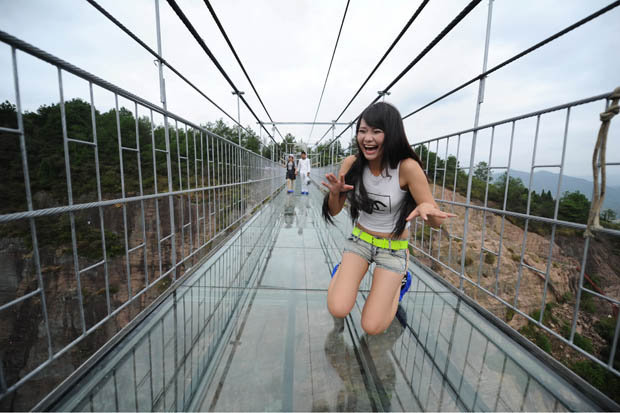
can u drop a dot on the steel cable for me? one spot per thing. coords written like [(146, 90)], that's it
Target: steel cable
[(419, 57), (329, 68), (204, 47), (385, 55), (520, 55), (158, 57), (232, 49)]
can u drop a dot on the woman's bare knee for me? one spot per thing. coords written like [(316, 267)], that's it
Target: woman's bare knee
[(344, 285), (338, 308), (373, 325)]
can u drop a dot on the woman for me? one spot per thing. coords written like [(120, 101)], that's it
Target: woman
[(290, 174), (386, 188)]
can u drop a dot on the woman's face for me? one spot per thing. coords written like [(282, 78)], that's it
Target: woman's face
[(370, 141)]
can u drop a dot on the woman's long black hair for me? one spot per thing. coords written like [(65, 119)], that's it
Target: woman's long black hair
[(396, 148)]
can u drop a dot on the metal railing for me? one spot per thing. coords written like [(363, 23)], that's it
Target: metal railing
[(449, 355), (475, 258), (448, 247), (165, 364), (180, 189), (453, 360)]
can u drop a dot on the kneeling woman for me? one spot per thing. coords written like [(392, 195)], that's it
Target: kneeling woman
[(386, 188)]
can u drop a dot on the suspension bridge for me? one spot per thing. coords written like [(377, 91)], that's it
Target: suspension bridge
[(160, 266)]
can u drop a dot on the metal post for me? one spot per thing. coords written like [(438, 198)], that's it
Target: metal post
[(473, 141), (351, 143), (162, 90), (335, 143), (238, 93), (260, 138), (382, 93)]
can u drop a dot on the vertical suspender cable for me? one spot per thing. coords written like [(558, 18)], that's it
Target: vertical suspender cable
[(527, 51), (204, 47), (472, 4), (232, 49), (329, 68), (385, 55), (156, 55)]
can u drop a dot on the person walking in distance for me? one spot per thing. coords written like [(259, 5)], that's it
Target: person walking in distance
[(290, 174), (386, 187), (303, 169)]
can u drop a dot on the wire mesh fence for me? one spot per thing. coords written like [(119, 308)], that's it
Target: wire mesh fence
[(104, 212), (508, 248), (516, 249), (163, 365)]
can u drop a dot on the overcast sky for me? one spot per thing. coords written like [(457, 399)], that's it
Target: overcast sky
[(286, 46)]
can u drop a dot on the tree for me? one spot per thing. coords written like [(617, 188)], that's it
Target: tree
[(250, 140), (288, 145), (608, 215), (574, 207), (516, 199), (221, 129), (267, 151), (8, 114), (482, 171)]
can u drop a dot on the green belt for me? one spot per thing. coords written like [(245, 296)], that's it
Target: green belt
[(381, 242)]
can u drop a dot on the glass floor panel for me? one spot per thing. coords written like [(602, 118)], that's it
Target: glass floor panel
[(263, 340), (289, 354)]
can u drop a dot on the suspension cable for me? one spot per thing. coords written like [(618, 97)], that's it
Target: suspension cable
[(204, 47), (329, 68), (419, 57), (432, 44), (520, 55), (158, 57), (232, 49), (385, 55)]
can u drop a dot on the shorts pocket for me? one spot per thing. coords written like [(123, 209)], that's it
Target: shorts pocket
[(398, 253)]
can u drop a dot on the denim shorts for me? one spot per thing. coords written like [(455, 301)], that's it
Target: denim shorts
[(391, 260)]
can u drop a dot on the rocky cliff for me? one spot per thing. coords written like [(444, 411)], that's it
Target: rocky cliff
[(500, 271)]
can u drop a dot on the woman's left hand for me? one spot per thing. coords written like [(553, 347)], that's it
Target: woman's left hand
[(426, 210)]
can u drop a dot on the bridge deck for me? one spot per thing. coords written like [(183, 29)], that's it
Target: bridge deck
[(288, 353), (282, 350)]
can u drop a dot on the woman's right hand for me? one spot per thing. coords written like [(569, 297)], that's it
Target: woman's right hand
[(336, 186)]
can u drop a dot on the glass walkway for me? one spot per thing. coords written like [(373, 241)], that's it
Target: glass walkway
[(148, 263), (262, 339)]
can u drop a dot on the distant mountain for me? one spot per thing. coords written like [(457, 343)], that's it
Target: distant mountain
[(613, 177), (549, 181)]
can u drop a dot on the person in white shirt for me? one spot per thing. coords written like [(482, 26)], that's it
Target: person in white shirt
[(303, 169)]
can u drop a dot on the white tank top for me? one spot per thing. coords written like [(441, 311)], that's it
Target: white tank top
[(386, 195)]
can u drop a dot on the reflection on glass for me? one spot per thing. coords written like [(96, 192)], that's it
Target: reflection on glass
[(302, 216), (353, 395), (289, 210), (438, 354)]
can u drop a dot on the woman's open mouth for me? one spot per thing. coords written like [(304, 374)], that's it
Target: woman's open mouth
[(370, 149)]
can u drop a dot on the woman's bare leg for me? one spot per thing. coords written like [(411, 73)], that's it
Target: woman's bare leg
[(343, 287), (382, 302)]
